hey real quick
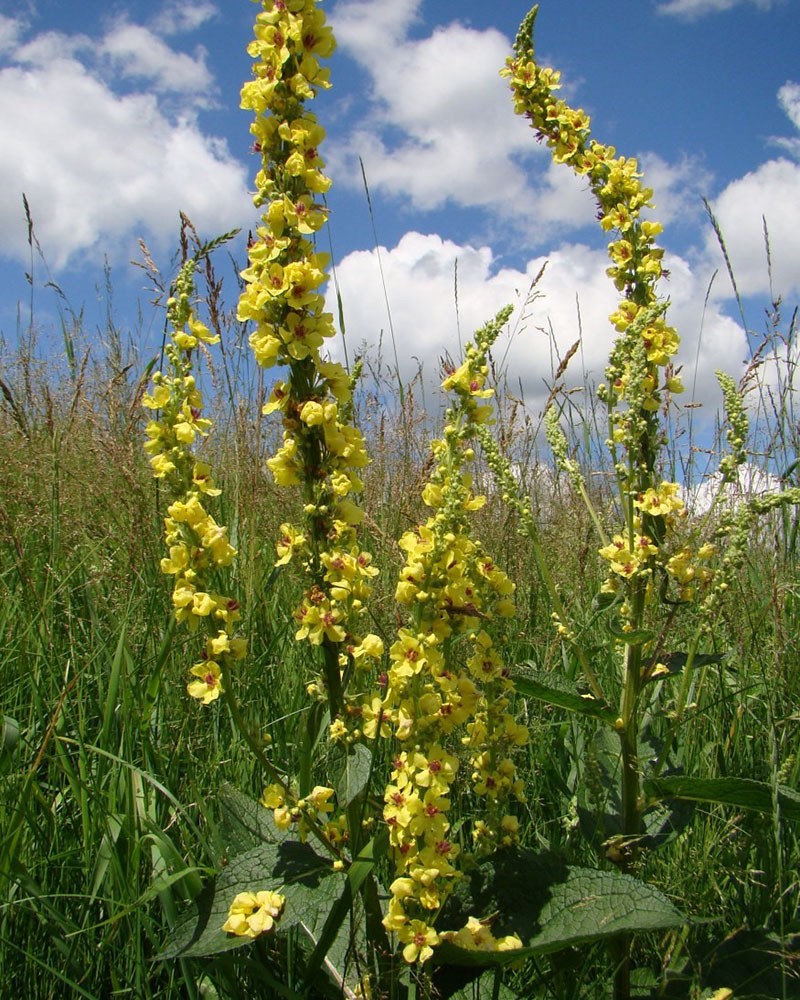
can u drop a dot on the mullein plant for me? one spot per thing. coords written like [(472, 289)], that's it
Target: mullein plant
[(198, 546), (643, 566), (441, 695), (322, 451), (450, 586), (198, 549), (656, 560), (447, 679)]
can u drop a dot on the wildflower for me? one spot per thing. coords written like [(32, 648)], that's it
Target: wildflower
[(419, 940), (452, 589), (321, 450), (197, 544), (209, 683), (254, 913)]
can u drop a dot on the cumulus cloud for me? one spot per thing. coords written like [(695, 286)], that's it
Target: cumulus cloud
[(177, 17), (692, 9), (762, 210), (678, 187), (765, 203), (570, 301), (137, 53), (100, 166), (789, 100), (10, 30), (439, 127), (372, 30)]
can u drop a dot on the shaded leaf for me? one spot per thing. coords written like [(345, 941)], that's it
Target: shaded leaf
[(555, 690), (245, 823), (355, 775), (754, 963), (296, 870), (639, 637), (332, 935), (452, 982), (9, 738), (551, 906), (744, 793), (676, 663)]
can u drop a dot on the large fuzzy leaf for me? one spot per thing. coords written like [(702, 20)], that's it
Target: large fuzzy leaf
[(304, 877), (551, 906)]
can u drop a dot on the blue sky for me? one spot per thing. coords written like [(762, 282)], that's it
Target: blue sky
[(116, 115)]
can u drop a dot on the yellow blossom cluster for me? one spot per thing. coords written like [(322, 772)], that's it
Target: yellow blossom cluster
[(254, 913), (447, 693), (640, 375), (477, 935), (322, 452), (615, 181), (197, 544), (316, 809)]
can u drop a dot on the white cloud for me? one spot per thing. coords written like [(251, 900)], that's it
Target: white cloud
[(710, 339), (138, 53), (751, 481), (10, 30), (100, 168), (177, 17), (789, 100), (767, 198), (572, 299), (678, 187), (440, 127), (371, 28), (770, 194), (692, 9)]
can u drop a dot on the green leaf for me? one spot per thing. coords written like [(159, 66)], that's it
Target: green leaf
[(555, 690), (639, 637), (744, 793), (294, 869), (676, 663), (330, 935), (452, 982), (551, 906), (754, 964), (9, 736), (355, 775), (245, 823)]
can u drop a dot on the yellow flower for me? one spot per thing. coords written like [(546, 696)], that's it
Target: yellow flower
[(437, 770), (158, 399), (208, 685), (376, 717), (290, 542), (317, 801), (371, 646), (419, 940), (254, 913), (273, 797)]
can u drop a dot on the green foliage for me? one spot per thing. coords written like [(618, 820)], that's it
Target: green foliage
[(127, 816), (553, 906)]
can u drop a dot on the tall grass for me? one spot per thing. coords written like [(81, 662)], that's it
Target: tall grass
[(108, 803), (110, 778)]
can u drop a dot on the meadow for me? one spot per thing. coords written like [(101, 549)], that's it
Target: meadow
[(645, 839)]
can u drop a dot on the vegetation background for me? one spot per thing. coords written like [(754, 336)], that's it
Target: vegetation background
[(110, 778), (110, 775)]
